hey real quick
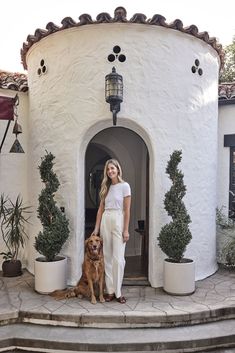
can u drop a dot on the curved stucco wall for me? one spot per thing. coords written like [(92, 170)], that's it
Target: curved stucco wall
[(164, 102)]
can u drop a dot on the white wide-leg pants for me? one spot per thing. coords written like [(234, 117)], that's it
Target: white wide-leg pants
[(111, 230)]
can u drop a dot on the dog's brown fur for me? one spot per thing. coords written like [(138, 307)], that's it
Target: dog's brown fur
[(92, 273)]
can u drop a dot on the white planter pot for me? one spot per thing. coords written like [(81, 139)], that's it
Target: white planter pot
[(179, 278), (50, 276)]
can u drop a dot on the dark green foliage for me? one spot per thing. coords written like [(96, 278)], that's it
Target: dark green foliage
[(228, 72), (175, 236), (51, 239)]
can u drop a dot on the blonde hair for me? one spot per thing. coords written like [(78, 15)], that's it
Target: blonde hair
[(106, 182)]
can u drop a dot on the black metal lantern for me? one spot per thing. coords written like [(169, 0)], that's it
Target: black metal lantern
[(114, 92)]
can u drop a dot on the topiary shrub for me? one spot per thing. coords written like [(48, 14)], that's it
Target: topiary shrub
[(51, 239), (175, 236)]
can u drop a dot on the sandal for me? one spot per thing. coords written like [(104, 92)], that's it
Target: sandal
[(109, 297), (121, 300)]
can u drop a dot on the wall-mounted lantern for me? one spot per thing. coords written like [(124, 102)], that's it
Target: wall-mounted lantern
[(114, 92), (8, 111)]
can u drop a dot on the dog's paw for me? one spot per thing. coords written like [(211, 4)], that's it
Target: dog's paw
[(102, 300), (70, 294), (93, 300)]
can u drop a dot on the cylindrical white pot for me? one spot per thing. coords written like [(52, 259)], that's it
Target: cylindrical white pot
[(179, 278), (50, 276)]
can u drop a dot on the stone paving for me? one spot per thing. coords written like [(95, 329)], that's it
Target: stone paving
[(214, 299)]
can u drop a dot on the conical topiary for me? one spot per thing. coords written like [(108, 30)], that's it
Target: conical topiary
[(175, 236), (51, 239)]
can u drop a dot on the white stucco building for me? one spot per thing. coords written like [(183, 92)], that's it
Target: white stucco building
[(170, 77)]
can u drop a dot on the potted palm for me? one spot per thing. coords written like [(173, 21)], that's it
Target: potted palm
[(50, 269), (179, 272), (13, 218)]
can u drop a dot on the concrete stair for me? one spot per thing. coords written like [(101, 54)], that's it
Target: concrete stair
[(150, 321), (192, 338)]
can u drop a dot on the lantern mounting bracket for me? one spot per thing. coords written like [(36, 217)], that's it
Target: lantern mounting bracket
[(115, 108)]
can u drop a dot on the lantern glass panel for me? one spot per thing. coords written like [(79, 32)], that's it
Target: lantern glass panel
[(114, 88)]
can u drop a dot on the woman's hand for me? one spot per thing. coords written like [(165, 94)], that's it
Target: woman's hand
[(126, 210), (98, 218), (125, 236)]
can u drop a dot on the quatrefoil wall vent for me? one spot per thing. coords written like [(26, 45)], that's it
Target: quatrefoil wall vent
[(195, 68), (116, 55), (42, 68)]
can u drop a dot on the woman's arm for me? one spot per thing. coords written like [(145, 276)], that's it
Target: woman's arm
[(98, 218), (126, 210)]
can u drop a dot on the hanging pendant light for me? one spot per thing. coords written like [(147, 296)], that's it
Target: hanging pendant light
[(17, 129), (16, 147)]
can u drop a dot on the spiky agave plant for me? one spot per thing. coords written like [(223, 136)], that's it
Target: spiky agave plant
[(13, 218)]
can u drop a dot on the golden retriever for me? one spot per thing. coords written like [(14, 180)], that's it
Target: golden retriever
[(92, 273)]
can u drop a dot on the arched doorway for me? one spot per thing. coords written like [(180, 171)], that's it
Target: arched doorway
[(130, 149)]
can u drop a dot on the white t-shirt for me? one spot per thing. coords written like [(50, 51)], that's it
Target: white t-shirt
[(115, 196)]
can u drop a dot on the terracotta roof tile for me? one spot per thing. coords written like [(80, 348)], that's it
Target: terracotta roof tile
[(227, 93), (119, 16), (103, 17), (138, 18), (14, 81)]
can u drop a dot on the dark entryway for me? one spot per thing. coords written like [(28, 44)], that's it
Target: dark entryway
[(131, 151)]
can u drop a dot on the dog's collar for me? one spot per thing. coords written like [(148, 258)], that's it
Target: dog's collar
[(94, 260)]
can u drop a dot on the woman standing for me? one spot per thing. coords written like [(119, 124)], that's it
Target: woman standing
[(112, 219)]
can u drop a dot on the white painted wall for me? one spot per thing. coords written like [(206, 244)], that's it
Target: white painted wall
[(13, 166), (226, 127), (164, 102)]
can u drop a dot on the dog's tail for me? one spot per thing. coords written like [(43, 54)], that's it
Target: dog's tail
[(63, 294)]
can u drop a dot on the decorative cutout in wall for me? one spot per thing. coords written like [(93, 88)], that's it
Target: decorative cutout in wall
[(195, 68), (42, 69), (116, 55)]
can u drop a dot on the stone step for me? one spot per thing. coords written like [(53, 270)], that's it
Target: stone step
[(16, 350), (117, 319), (196, 338)]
